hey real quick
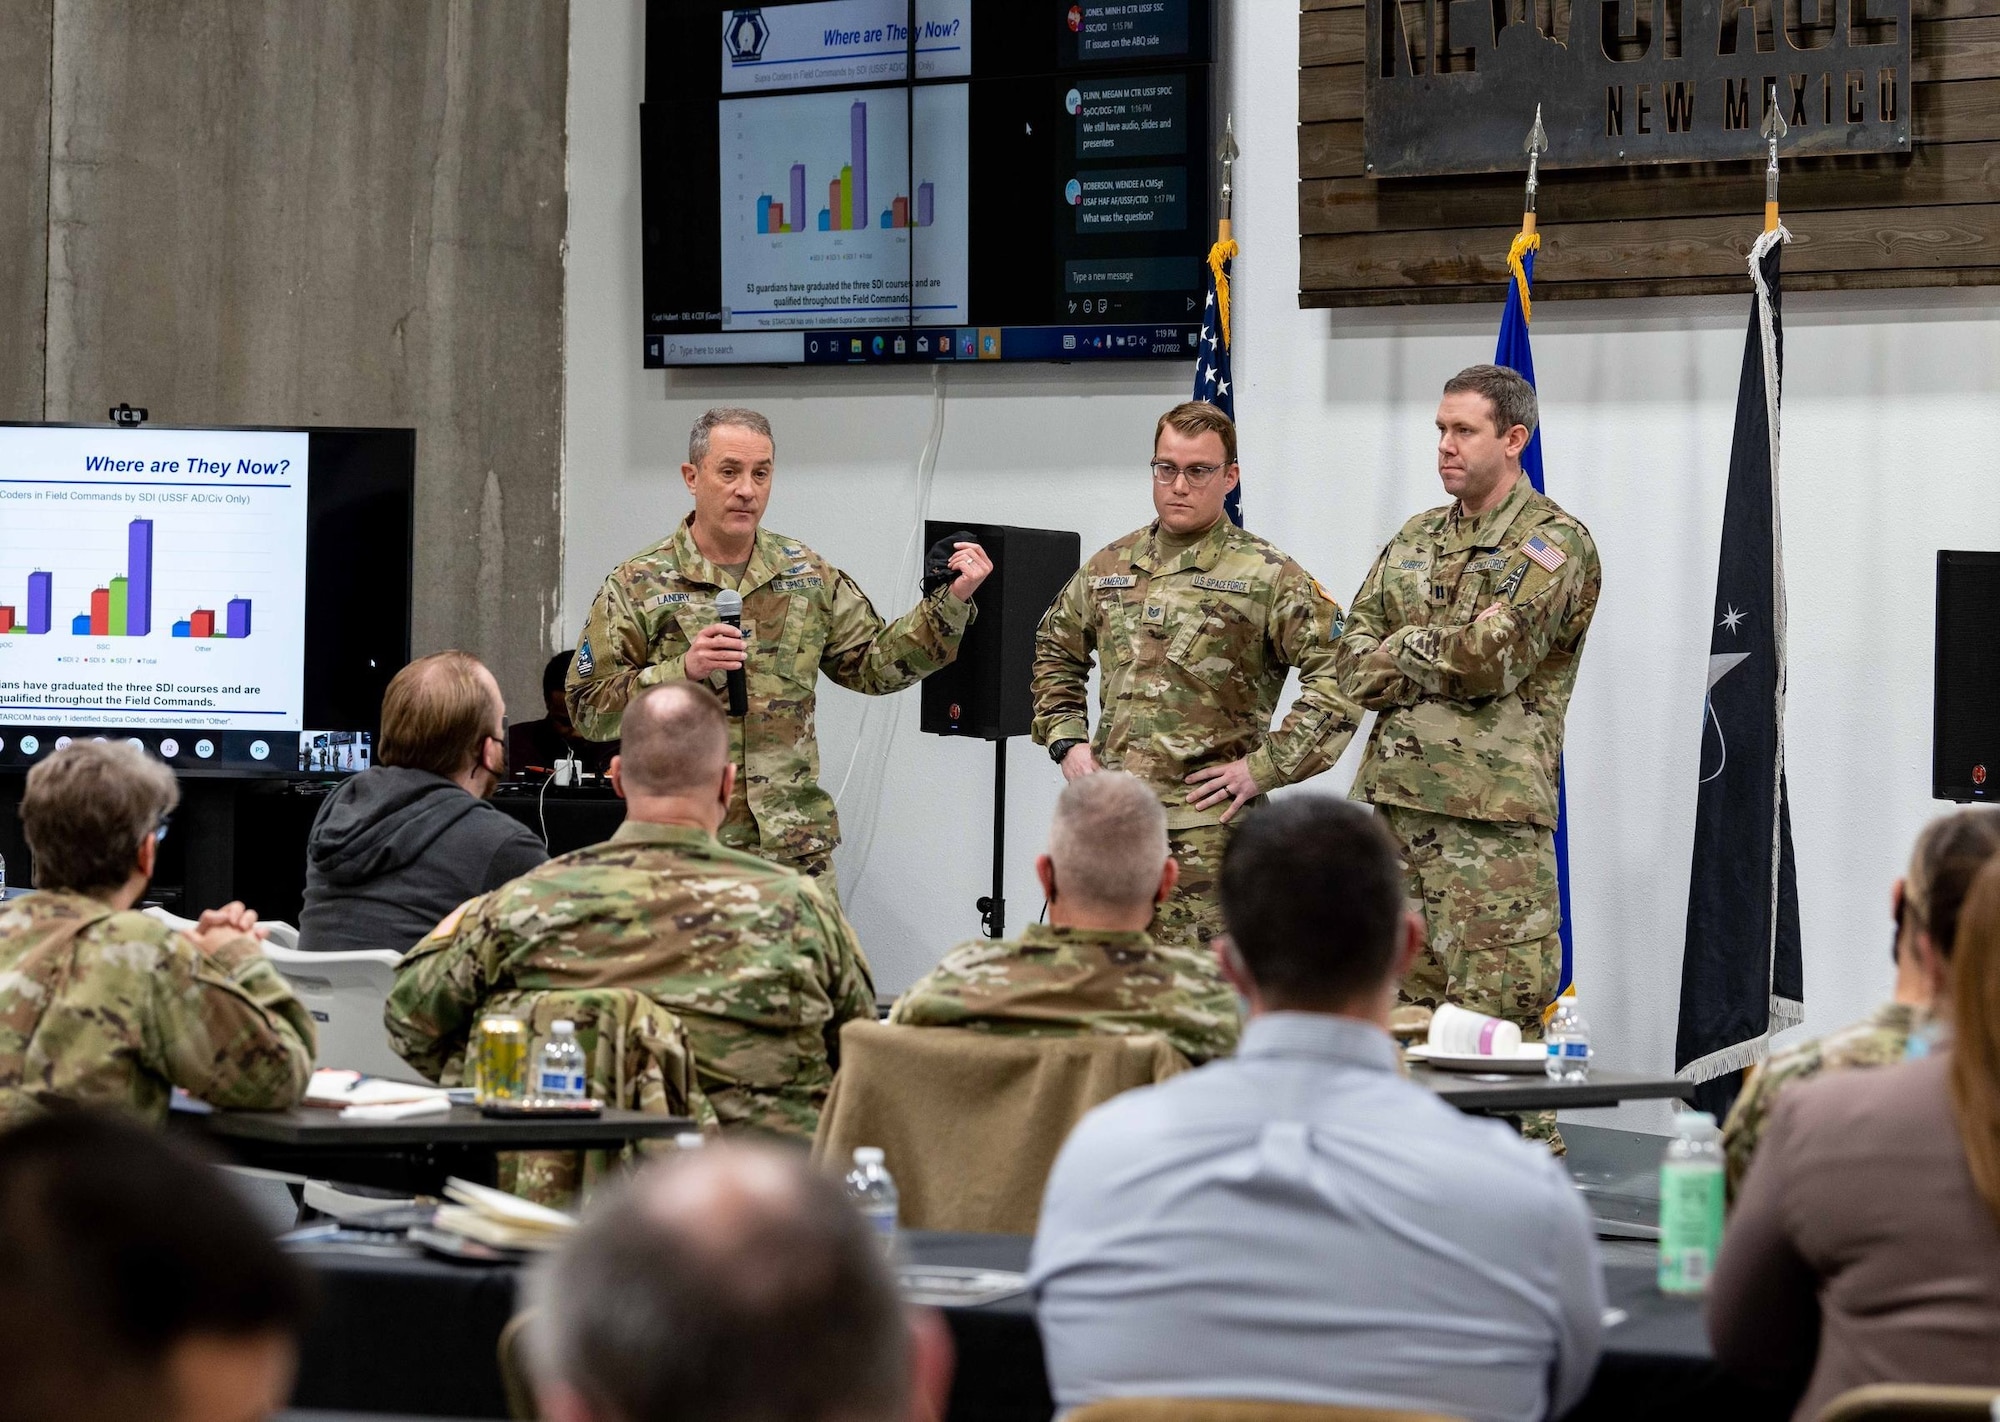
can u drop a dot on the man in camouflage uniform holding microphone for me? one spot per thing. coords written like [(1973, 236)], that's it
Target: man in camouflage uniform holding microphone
[(655, 620), (1195, 624), (1465, 639)]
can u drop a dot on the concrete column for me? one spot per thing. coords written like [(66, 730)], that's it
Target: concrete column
[(24, 215), (342, 212)]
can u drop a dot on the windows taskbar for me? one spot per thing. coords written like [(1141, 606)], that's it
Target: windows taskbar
[(876, 346)]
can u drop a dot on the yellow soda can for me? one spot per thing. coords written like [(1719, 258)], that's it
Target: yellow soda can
[(500, 1061)]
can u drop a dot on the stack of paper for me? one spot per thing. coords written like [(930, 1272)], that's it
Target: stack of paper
[(504, 1221), (374, 1098)]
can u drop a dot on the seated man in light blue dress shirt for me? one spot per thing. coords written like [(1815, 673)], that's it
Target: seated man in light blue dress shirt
[(1300, 1223)]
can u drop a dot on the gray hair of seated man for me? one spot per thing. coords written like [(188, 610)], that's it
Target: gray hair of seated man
[(1108, 841), (729, 1284)]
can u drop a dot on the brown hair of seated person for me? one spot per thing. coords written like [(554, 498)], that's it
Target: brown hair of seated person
[(438, 714), (1975, 1019), (134, 1283), (85, 809)]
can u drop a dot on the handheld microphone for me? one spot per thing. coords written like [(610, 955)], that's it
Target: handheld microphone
[(729, 609)]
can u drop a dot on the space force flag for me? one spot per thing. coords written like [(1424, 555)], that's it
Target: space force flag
[(1212, 381), (1513, 352), (1742, 981)]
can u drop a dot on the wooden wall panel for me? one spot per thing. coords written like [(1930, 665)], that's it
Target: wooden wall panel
[(1927, 218)]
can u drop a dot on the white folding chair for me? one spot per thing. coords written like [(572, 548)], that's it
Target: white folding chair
[(345, 993)]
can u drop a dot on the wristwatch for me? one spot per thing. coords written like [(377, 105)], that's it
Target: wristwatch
[(1059, 749)]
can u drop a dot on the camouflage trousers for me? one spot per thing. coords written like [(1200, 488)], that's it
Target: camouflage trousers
[(1192, 914), (818, 867), (1492, 915)]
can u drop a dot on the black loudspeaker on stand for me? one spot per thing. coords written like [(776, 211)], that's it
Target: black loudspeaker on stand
[(1965, 707), (985, 692)]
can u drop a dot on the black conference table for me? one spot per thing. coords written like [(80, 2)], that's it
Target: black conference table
[(416, 1154), (401, 1333)]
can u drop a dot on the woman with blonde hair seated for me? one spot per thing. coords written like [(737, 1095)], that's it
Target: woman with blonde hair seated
[(1865, 1247)]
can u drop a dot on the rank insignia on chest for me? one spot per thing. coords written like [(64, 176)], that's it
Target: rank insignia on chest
[(1155, 615), (1115, 580), (1228, 585)]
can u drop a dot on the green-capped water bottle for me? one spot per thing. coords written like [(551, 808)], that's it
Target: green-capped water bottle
[(1691, 1199)]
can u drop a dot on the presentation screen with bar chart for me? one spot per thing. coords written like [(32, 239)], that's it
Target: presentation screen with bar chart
[(154, 579), (885, 181)]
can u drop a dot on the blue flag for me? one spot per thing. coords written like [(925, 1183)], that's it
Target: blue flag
[(1212, 380), (1513, 353)]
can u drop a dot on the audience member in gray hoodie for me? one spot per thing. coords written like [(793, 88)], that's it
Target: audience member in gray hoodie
[(398, 847)]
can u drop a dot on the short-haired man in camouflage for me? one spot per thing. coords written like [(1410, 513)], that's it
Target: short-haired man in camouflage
[(1465, 639), (1195, 624), (103, 1006), (654, 621), (754, 958), (1925, 904), (1093, 968)]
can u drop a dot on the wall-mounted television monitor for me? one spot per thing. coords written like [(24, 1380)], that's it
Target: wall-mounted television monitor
[(833, 182), (209, 593)]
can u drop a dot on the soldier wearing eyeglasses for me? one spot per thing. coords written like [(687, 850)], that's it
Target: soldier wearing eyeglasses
[(1194, 624)]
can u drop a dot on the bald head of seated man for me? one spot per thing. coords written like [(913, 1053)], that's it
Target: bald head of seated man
[(1093, 967), (729, 1284), (753, 958)]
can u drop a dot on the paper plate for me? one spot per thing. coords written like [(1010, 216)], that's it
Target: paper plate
[(1528, 1058)]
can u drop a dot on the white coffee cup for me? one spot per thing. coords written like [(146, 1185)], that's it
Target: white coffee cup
[(1460, 1033)]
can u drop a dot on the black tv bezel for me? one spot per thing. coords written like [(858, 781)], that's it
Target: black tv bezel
[(285, 767)]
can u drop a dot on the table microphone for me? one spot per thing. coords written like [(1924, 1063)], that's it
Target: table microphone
[(729, 609)]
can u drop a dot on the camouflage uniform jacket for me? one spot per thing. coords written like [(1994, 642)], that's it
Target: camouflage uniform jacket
[(106, 1008), (801, 616), (1066, 981), (760, 969), (1472, 709), (1882, 1040), (1192, 653)]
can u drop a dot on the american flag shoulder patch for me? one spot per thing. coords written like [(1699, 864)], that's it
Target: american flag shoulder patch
[(1544, 555)]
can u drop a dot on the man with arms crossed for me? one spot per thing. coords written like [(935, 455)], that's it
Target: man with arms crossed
[(1300, 1223), (1465, 638), (655, 620), (1194, 623)]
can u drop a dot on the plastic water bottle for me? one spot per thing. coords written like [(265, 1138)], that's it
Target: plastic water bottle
[(1567, 1036), (1691, 1199), (873, 1190), (3, 873), (561, 1077)]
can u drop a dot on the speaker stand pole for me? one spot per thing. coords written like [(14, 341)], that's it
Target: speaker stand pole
[(993, 909)]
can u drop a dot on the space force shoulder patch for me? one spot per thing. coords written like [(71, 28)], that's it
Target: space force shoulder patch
[(586, 665)]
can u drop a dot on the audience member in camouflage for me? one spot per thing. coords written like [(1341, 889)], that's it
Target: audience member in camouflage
[(654, 622), (1194, 624), (104, 1006), (1465, 638), (753, 958), (1093, 968), (1925, 904)]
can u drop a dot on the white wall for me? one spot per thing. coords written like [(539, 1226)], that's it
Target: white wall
[(1886, 400)]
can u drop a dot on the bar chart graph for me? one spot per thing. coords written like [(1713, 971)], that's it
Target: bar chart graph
[(123, 607), (201, 622), (41, 586), (846, 207)]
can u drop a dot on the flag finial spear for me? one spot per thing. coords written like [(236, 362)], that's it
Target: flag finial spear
[(1774, 129), (1227, 151), (1536, 144)]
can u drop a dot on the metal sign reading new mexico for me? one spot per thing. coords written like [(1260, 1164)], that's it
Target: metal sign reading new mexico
[(1452, 84)]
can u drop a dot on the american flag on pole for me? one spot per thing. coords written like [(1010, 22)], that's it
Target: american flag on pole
[(1212, 381)]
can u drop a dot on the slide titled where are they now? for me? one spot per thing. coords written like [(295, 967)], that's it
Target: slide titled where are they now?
[(153, 578)]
